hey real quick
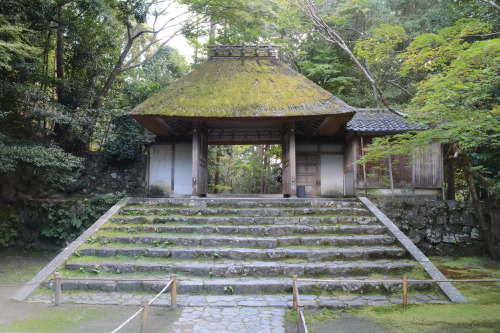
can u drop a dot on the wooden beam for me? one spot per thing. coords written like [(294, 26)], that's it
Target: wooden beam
[(320, 126), (166, 126)]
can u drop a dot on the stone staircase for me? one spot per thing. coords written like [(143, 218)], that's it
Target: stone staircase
[(241, 246)]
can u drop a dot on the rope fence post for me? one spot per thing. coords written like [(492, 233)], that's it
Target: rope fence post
[(294, 288), (57, 288), (173, 298), (145, 316), (405, 290)]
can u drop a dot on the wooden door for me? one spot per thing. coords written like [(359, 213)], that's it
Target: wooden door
[(309, 173)]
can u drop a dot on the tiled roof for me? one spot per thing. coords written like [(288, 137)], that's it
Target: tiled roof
[(379, 122)]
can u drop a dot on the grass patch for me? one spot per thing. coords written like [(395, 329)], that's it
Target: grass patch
[(479, 315), (16, 269), (51, 321), (438, 318)]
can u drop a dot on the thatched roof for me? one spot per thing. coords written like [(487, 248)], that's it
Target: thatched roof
[(236, 88)]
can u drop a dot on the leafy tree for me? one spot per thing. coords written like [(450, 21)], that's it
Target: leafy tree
[(458, 103)]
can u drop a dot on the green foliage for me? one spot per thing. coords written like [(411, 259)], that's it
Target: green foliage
[(244, 169), (8, 229), (430, 53), (14, 45), (159, 191), (381, 44), (126, 145), (63, 226), (458, 100), (229, 290)]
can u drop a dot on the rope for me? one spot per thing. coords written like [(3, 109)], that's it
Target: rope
[(161, 292), (128, 320), (396, 281), (142, 308)]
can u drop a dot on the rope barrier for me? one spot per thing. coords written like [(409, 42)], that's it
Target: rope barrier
[(145, 305), (128, 320)]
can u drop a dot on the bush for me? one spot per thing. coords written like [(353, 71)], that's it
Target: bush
[(126, 145), (159, 191)]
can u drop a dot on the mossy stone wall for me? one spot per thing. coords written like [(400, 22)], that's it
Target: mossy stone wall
[(437, 227)]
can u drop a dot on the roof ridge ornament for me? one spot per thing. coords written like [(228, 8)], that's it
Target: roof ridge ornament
[(244, 51)]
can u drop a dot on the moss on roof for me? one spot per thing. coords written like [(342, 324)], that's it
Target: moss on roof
[(245, 88)]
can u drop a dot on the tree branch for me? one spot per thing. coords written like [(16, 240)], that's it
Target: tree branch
[(492, 4), (400, 87), (324, 30)]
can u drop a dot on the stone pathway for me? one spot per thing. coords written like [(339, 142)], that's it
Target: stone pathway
[(230, 319), (256, 301), (230, 313)]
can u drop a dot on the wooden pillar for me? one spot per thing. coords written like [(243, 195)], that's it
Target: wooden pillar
[(196, 156), (293, 162), (289, 171)]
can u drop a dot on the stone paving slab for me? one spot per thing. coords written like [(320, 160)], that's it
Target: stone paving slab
[(230, 319), (252, 301)]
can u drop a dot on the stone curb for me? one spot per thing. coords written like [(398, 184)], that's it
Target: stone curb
[(61, 258), (448, 289)]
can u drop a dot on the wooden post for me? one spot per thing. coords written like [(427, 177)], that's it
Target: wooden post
[(364, 165), (173, 298), (57, 288), (196, 156), (294, 289), (293, 163), (144, 316), (405, 290), (391, 180)]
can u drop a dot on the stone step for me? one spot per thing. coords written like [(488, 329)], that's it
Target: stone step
[(310, 254), (238, 220), (253, 230), (245, 212), (232, 268), (257, 242), (247, 203), (246, 285)]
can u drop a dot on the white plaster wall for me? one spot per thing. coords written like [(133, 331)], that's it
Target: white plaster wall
[(160, 165), (183, 169), (332, 175)]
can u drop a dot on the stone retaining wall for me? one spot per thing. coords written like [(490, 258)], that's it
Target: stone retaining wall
[(437, 227), (97, 176)]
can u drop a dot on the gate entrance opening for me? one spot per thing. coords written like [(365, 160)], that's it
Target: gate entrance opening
[(244, 169)]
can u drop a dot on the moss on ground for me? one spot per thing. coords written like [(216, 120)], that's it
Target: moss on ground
[(479, 315)]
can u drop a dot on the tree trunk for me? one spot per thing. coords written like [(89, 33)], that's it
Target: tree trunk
[(450, 179), (486, 232), (375, 97), (111, 78)]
